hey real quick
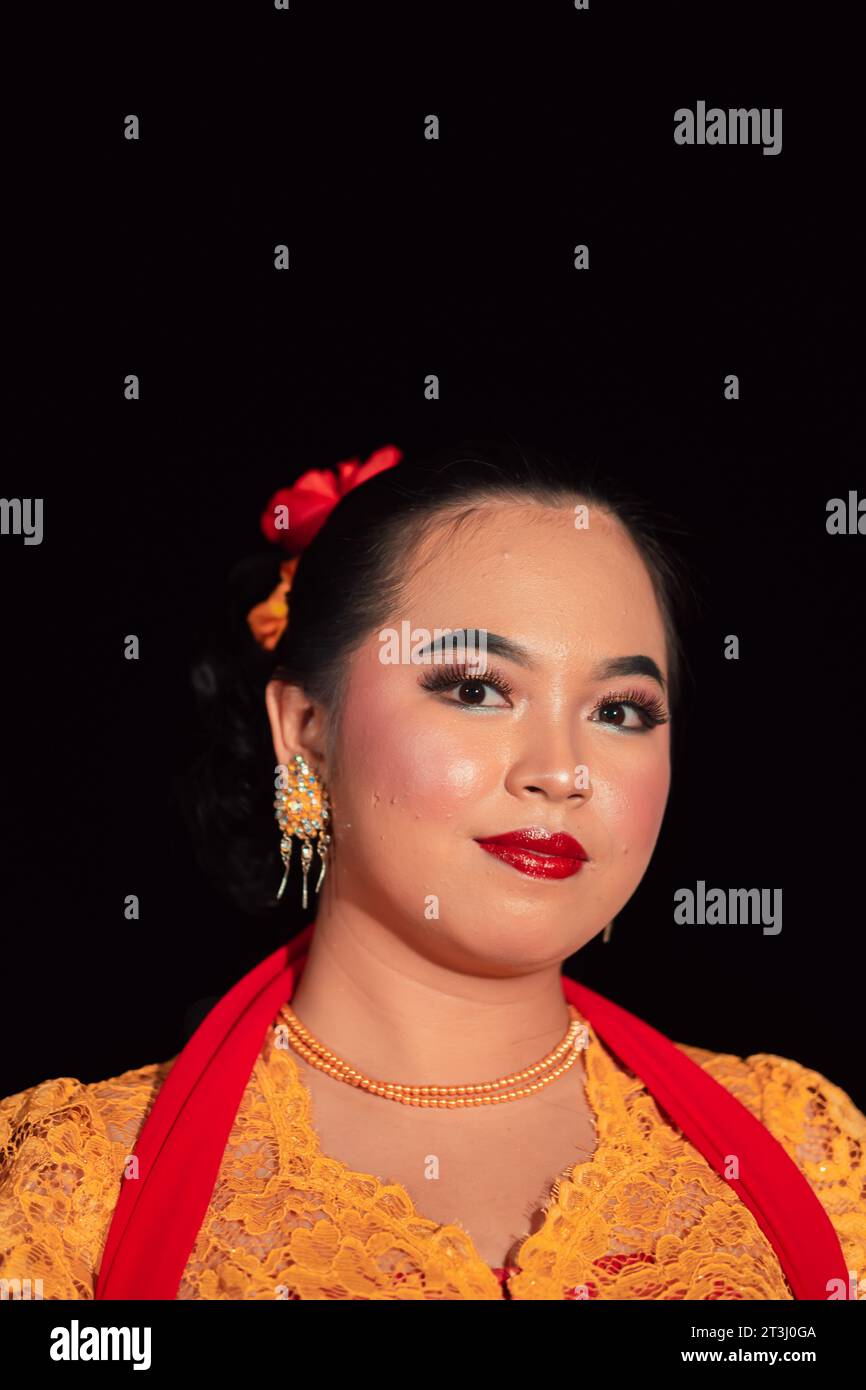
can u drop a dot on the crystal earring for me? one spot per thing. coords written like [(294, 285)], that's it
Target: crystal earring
[(302, 809)]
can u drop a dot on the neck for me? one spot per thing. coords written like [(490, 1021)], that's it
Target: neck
[(396, 1014)]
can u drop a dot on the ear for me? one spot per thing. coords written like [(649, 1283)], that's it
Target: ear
[(297, 724)]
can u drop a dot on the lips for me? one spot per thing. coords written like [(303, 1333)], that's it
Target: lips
[(538, 853)]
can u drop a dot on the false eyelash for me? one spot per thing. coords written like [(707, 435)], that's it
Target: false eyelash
[(446, 677), (650, 708)]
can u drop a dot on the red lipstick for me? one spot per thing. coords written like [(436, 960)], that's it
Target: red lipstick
[(537, 852)]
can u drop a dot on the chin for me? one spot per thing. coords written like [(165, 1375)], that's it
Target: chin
[(496, 943)]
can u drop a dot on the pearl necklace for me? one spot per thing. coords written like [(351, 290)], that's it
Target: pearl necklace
[(540, 1074)]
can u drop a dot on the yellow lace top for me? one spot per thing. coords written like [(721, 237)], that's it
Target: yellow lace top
[(644, 1218)]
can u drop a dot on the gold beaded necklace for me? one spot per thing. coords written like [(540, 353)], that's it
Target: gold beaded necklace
[(557, 1061)]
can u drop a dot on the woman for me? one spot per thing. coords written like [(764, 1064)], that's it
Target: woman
[(468, 824)]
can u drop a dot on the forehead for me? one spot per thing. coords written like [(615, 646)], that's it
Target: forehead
[(526, 571)]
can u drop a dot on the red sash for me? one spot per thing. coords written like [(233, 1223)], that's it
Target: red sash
[(182, 1142)]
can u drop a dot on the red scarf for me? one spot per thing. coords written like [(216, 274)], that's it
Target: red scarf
[(181, 1145)]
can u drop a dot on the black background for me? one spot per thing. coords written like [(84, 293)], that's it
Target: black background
[(410, 257)]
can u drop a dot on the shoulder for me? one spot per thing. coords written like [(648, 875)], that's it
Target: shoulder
[(815, 1121), (115, 1103), (63, 1147), (791, 1098)]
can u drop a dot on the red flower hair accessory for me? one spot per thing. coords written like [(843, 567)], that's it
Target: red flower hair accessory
[(292, 518)]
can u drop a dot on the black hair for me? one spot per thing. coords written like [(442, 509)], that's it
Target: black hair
[(347, 584)]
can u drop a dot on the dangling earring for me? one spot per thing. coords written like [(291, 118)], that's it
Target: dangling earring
[(605, 936), (302, 809)]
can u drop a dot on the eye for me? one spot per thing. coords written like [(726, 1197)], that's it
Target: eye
[(470, 688), (646, 710)]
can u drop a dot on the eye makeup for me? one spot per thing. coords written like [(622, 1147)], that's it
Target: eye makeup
[(650, 709)]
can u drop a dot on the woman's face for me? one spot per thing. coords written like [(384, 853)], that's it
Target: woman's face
[(421, 775)]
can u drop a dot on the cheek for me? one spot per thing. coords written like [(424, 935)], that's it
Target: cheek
[(422, 770), (631, 805)]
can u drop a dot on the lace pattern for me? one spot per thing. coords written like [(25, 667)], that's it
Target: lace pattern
[(645, 1217)]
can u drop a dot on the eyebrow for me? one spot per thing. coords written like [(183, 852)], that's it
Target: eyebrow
[(613, 667)]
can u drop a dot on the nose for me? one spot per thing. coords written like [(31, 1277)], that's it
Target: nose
[(554, 780)]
